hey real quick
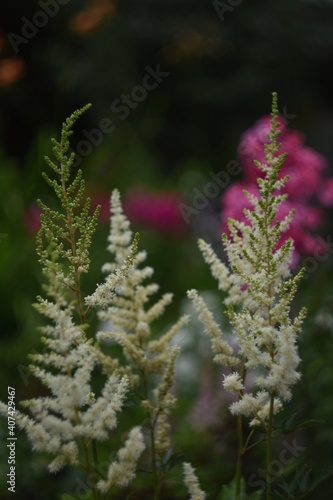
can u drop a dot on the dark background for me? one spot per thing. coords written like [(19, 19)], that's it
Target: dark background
[(222, 70)]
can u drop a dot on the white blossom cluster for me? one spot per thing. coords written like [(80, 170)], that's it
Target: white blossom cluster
[(122, 471), (192, 483), (260, 289), (71, 412), (128, 316)]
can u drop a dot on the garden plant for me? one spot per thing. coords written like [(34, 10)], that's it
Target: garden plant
[(108, 396)]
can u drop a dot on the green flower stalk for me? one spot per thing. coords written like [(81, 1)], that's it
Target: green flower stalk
[(260, 289)]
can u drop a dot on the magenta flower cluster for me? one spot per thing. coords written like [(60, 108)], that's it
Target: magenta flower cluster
[(152, 210), (155, 210), (308, 188)]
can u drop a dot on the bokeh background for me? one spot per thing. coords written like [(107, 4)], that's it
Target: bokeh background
[(219, 65)]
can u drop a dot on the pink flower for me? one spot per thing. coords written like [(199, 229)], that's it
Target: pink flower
[(234, 201), (31, 219), (102, 199), (326, 194), (155, 210), (304, 166), (306, 169), (306, 217)]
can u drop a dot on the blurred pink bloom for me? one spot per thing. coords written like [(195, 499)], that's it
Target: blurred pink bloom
[(152, 210), (306, 217), (102, 199), (155, 210), (31, 219), (326, 195), (304, 166), (234, 201), (306, 169)]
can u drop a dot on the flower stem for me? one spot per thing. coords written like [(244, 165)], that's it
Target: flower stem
[(240, 456), (94, 449), (241, 448), (95, 492), (152, 422), (157, 485), (73, 245), (269, 449)]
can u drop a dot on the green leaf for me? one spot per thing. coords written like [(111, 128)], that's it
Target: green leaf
[(323, 476), (256, 495), (284, 486), (288, 424), (304, 481), (228, 491), (299, 486), (173, 460), (298, 478), (308, 422)]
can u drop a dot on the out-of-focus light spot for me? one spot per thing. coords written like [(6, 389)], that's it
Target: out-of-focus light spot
[(11, 70), (192, 45), (92, 17)]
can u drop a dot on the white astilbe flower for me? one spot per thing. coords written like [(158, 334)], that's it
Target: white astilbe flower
[(260, 289), (101, 417), (223, 351), (105, 293), (233, 382), (128, 319), (192, 483), (218, 269), (71, 412), (68, 454), (122, 471)]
